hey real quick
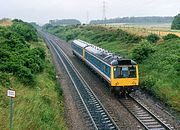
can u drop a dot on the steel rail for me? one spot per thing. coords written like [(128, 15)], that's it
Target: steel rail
[(144, 116)]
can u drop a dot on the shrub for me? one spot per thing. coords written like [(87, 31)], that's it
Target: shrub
[(71, 36), (34, 60), (39, 51), (25, 29), (9, 67), (142, 51), (24, 74), (16, 56), (147, 84), (170, 36), (4, 55), (153, 38)]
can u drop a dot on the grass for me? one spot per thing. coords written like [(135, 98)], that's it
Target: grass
[(164, 33), (5, 22), (159, 72), (35, 108), (144, 30)]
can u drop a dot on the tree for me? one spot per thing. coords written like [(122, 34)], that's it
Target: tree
[(153, 38), (176, 22), (170, 36)]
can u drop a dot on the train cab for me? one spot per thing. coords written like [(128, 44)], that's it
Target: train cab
[(124, 74)]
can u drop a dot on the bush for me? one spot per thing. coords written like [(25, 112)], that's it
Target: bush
[(147, 84), (153, 38), (34, 60), (170, 36), (16, 56), (4, 55), (40, 52), (142, 51), (25, 75), (25, 29), (70, 37)]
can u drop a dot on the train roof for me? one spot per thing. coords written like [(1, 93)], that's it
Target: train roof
[(80, 43), (104, 55)]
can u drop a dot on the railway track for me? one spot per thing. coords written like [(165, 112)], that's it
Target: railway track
[(143, 115), (98, 115)]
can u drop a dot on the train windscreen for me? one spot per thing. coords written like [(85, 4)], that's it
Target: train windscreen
[(125, 72)]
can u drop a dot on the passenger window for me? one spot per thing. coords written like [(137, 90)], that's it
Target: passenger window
[(106, 68)]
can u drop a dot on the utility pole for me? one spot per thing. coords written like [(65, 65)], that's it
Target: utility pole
[(104, 12), (87, 17)]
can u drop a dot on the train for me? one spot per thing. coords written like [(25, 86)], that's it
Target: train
[(120, 74)]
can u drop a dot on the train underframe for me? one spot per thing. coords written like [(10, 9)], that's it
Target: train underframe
[(123, 90)]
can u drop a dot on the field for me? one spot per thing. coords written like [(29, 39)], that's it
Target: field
[(5, 22), (146, 29), (163, 33), (35, 108), (158, 62)]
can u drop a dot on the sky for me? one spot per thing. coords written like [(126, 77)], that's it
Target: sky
[(41, 11)]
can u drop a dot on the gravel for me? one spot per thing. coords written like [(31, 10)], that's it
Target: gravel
[(73, 116)]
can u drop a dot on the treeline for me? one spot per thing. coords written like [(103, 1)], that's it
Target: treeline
[(176, 22), (16, 57), (153, 19), (64, 22)]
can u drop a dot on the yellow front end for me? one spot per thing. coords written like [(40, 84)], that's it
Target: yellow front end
[(123, 82)]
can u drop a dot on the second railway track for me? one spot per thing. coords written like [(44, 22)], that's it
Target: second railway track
[(143, 115), (98, 115)]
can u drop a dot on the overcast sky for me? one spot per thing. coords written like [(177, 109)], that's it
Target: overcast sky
[(42, 11)]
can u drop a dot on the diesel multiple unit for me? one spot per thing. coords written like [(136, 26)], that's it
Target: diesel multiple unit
[(121, 74)]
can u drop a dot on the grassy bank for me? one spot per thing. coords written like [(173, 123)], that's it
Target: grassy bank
[(40, 107), (26, 66), (158, 62), (159, 73)]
